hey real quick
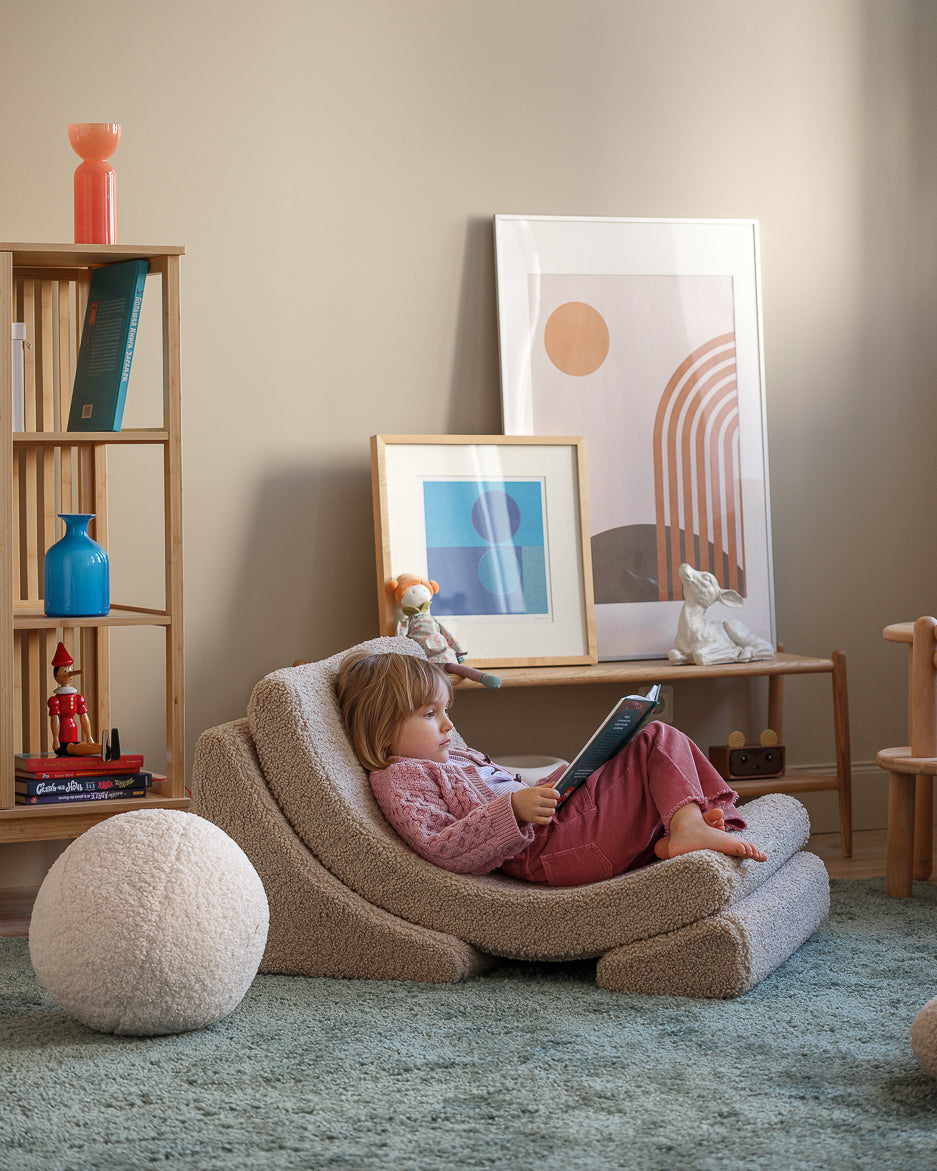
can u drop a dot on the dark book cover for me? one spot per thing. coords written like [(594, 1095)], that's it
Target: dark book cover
[(42, 786), (623, 723), (48, 763), (59, 798), (102, 371)]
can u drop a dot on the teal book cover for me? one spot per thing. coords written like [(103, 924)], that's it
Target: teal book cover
[(102, 371)]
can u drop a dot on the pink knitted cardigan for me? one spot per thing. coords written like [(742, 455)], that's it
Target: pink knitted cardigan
[(448, 814)]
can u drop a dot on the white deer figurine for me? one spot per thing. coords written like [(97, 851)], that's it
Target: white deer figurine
[(703, 642)]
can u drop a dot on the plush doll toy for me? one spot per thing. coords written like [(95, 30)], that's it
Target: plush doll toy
[(414, 596)]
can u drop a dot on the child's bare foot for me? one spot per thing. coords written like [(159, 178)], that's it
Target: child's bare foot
[(714, 817), (690, 829)]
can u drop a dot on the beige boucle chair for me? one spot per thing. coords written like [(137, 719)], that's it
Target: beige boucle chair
[(348, 898)]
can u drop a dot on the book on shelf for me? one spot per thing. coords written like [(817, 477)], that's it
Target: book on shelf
[(622, 724), (51, 765), (30, 785), (64, 798), (27, 775), (105, 353)]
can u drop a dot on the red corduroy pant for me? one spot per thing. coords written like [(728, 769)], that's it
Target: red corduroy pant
[(610, 823)]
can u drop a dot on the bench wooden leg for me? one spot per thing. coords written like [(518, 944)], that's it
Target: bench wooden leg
[(843, 755), (900, 853)]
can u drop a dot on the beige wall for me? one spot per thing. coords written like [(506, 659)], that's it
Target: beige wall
[(332, 169)]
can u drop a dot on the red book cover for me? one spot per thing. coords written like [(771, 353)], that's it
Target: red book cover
[(48, 762), (23, 774)]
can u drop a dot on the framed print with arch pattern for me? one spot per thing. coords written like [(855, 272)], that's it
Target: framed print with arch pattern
[(644, 336), (501, 525)]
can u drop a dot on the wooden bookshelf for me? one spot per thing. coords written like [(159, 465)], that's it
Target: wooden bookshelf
[(46, 470)]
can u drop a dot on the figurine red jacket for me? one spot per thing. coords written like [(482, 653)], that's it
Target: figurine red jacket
[(67, 703)]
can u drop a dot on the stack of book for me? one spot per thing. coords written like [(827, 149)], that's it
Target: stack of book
[(42, 778)]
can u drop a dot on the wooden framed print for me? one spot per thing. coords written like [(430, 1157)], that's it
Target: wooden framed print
[(645, 337), (501, 524)]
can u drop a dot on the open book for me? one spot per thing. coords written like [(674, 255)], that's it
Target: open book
[(623, 722)]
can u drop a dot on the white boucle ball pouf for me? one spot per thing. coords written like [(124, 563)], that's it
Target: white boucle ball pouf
[(924, 1037), (151, 922)]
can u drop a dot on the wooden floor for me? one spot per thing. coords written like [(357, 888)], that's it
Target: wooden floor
[(868, 861), (15, 908), (868, 854)]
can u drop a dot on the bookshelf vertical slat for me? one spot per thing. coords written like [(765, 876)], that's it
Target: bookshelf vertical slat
[(64, 323), (29, 494), (25, 296), (86, 648), (19, 693), (16, 523), (88, 652), (35, 690), (36, 506), (7, 568), (45, 396), (45, 357), (102, 640), (68, 294), (172, 504)]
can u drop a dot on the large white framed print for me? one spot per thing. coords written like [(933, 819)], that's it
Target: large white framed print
[(500, 524), (645, 337)]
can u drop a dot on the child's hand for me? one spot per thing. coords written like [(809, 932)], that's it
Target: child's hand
[(535, 804)]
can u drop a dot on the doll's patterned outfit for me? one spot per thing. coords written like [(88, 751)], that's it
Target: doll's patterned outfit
[(451, 816), (440, 645)]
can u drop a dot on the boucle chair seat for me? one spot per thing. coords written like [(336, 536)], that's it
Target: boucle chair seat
[(349, 898)]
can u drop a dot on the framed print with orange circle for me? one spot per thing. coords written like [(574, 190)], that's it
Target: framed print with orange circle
[(644, 336)]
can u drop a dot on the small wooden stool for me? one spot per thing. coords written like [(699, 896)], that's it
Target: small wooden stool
[(911, 769), (903, 773)]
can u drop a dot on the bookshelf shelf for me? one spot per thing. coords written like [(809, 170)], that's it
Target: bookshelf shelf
[(45, 470), (30, 616), (88, 438)]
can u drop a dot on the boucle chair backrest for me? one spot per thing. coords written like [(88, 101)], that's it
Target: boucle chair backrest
[(308, 762), (313, 774)]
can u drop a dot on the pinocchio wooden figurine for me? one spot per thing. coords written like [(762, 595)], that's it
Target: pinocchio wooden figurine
[(68, 715)]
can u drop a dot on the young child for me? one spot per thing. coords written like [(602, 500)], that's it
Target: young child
[(659, 797)]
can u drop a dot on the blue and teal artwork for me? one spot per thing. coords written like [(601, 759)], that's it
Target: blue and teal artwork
[(485, 546)]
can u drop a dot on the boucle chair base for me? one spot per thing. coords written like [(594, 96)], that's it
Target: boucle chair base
[(349, 898), (728, 954), (318, 927)]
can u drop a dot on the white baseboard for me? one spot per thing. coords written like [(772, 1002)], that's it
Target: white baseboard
[(869, 797)]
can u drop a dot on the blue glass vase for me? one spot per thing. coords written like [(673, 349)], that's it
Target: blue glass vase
[(76, 573)]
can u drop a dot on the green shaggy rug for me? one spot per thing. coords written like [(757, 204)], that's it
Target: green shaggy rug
[(532, 1066)]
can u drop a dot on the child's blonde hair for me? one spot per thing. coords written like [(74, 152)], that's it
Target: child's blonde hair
[(376, 693)]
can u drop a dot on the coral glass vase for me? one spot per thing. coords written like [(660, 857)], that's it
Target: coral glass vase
[(95, 181), (76, 572)]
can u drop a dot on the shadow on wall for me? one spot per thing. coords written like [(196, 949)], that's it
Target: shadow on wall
[(475, 392), (305, 588)]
